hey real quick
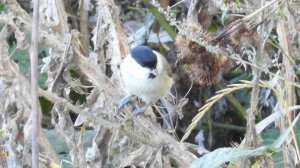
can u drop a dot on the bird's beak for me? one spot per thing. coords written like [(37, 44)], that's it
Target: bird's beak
[(153, 73)]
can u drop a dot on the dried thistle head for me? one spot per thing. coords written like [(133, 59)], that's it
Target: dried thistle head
[(207, 70), (187, 50), (205, 67)]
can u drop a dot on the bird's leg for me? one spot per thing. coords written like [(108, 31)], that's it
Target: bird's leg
[(139, 110), (124, 101)]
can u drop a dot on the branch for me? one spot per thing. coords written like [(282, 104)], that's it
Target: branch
[(35, 113)]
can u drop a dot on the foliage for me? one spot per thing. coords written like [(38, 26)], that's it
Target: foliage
[(234, 64)]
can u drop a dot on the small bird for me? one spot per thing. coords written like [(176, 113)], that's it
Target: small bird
[(147, 75)]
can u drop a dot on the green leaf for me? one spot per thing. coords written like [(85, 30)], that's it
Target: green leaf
[(46, 105), (2, 7), (278, 142), (223, 155), (212, 27), (161, 19), (22, 58)]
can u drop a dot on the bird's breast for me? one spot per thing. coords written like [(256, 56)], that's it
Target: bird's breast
[(137, 81)]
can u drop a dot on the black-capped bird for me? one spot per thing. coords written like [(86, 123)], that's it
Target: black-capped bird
[(147, 75)]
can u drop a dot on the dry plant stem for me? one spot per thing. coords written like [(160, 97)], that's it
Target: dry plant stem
[(62, 64), (35, 113), (63, 16), (252, 139), (290, 97), (84, 26), (289, 72), (94, 73), (259, 10), (192, 15), (14, 155), (55, 99), (22, 87), (175, 149), (283, 79), (244, 20), (103, 140)]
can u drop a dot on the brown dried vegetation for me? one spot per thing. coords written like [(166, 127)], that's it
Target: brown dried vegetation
[(84, 44)]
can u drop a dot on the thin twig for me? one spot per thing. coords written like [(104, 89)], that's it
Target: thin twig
[(84, 29), (252, 139), (259, 10), (35, 113), (63, 61)]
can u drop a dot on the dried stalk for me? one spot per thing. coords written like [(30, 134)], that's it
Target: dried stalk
[(35, 113), (290, 148), (252, 138), (84, 26)]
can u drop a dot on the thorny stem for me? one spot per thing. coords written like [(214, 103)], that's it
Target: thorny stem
[(252, 139)]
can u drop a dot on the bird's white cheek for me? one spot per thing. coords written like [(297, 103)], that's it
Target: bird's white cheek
[(134, 77)]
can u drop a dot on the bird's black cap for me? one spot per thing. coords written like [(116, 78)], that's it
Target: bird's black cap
[(144, 56)]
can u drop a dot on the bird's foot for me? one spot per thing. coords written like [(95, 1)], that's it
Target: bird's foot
[(138, 110), (124, 101)]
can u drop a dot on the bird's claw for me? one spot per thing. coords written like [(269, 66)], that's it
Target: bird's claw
[(138, 110), (124, 101)]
